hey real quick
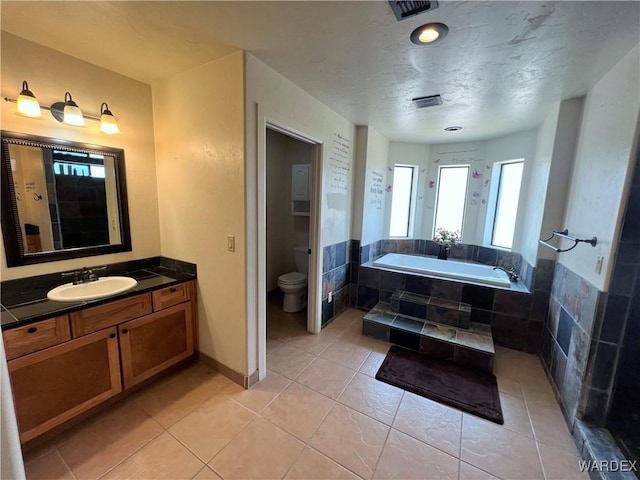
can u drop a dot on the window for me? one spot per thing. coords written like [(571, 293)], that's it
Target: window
[(451, 197), (401, 200), (504, 221)]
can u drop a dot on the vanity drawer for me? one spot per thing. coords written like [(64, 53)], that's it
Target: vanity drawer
[(109, 314), (170, 296), (36, 336)]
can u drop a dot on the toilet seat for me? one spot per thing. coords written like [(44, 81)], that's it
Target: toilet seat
[(292, 278)]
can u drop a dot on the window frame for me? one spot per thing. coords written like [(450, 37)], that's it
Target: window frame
[(492, 207), (437, 198), (412, 201)]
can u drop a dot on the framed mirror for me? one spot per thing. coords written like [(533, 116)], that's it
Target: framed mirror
[(61, 200)]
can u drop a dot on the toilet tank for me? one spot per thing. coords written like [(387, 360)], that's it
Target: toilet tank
[(301, 255)]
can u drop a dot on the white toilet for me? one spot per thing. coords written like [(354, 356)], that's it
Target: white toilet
[(294, 284)]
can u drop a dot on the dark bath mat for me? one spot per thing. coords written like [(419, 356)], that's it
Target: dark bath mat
[(468, 390)]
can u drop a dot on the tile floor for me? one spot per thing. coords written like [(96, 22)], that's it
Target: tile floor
[(319, 414)]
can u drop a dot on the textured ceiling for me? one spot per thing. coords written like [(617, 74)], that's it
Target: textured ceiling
[(499, 70)]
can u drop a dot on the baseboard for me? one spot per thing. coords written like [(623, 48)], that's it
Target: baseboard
[(236, 377)]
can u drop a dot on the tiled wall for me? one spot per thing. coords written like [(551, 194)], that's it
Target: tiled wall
[(575, 307), (517, 319), (591, 335), (336, 279), (614, 362)]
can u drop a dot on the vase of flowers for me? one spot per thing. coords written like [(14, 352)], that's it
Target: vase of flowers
[(446, 239)]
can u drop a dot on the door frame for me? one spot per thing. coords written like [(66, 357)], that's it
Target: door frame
[(314, 309)]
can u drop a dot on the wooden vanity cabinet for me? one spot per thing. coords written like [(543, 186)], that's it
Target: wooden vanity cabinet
[(66, 365), (56, 384)]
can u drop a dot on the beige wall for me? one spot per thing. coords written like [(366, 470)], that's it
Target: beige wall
[(50, 74), (199, 131), (605, 156)]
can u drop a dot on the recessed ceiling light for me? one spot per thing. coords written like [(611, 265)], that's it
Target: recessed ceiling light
[(429, 33), (453, 129)]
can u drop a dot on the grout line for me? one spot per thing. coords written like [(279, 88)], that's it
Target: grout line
[(65, 464), (229, 443), (133, 452)]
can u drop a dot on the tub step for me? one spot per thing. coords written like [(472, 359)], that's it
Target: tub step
[(471, 347), (438, 310)]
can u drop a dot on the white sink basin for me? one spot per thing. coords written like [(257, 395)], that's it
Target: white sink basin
[(102, 287)]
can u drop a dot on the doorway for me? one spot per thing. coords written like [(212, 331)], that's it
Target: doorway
[(289, 180), (258, 268)]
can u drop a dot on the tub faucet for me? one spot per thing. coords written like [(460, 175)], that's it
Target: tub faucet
[(513, 276)]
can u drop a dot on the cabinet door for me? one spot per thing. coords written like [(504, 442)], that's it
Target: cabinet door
[(53, 385), (152, 343), (300, 182)]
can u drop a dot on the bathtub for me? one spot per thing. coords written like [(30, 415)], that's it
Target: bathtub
[(446, 269)]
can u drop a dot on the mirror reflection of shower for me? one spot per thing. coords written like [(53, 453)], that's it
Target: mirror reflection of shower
[(288, 192)]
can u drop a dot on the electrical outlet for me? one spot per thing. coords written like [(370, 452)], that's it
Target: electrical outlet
[(330, 298), (231, 243), (599, 262)]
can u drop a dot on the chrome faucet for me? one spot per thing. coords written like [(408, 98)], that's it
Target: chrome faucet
[(84, 275), (513, 275)]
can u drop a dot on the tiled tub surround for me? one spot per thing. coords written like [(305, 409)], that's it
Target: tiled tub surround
[(335, 279), (516, 317), (25, 300), (471, 345)]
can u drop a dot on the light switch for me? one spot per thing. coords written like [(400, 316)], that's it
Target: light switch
[(231, 243)]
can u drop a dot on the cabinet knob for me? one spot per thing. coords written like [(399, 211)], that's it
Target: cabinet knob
[(32, 330), (173, 289), (125, 331), (113, 335)]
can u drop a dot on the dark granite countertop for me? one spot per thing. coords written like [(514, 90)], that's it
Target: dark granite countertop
[(23, 306)]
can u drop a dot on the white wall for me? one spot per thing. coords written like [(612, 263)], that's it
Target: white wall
[(284, 230), (374, 206), (50, 74), (604, 159), (270, 96), (29, 179), (534, 201), (480, 156), (416, 154), (557, 191), (464, 153), (512, 147), (201, 175)]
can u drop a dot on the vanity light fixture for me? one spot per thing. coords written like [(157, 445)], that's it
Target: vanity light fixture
[(107, 120), (66, 112), (72, 115), (27, 103), (429, 33)]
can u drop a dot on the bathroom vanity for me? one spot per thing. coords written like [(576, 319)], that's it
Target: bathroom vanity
[(85, 353)]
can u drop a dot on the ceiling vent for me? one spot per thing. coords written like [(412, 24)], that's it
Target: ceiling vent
[(406, 9), (430, 101)]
